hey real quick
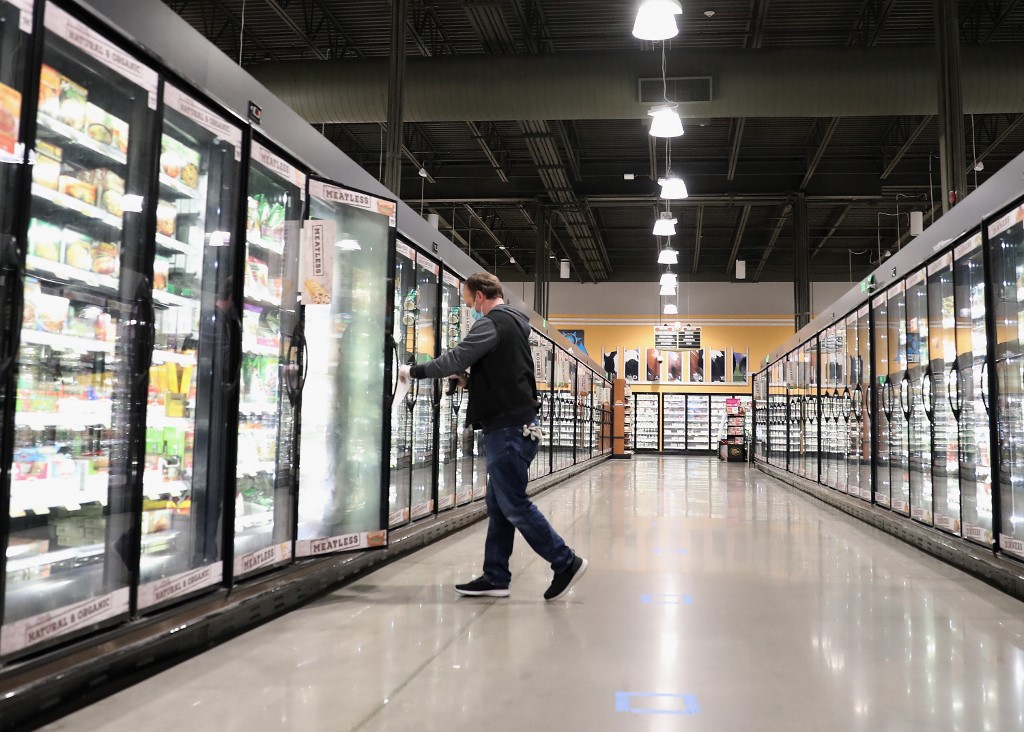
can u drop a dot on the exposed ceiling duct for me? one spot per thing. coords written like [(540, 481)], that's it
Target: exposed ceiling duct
[(785, 82)]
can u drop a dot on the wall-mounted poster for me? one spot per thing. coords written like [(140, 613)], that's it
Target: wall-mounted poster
[(739, 367), (632, 364), (611, 362), (674, 359), (717, 359), (653, 364), (696, 374), (575, 337)]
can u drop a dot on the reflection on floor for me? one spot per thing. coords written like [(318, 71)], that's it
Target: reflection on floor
[(716, 599)]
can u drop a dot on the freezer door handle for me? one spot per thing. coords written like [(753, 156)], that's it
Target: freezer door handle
[(928, 394), (293, 377), (953, 380), (984, 382), (906, 396), (887, 398)]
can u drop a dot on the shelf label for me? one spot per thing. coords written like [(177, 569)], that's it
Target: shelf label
[(916, 278), (25, 19), (211, 121), (357, 199), (405, 250), (968, 246), (316, 263), (45, 626), (940, 264), (452, 280), (342, 543), (177, 585), (431, 267), (283, 168), (102, 50), (1002, 224), (263, 558), (1015, 546)]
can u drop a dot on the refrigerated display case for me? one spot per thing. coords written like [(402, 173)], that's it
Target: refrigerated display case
[(426, 392), (341, 480), (85, 342), (945, 452), (406, 315), (584, 408), (971, 390), (673, 422), (864, 403), (778, 416), (272, 339), (898, 386), (1006, 253), (449, 443), (698, 421), (563, 430), (811, 412), (884, 401), (917, 411), (718, 419), (541, 349), (192, 383), (647, 418), (853, 407)]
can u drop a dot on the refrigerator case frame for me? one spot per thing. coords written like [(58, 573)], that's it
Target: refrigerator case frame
[(398, 474), (427, 508), (379, 538)]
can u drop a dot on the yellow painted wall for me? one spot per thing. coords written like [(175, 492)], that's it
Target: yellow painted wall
[(758, 335)]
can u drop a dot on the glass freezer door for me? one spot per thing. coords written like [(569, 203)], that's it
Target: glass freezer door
[(945, 458), (194, 363), (898, 387), (343, 275), (698, 421), (406, 307), (864, 401), (970, 391), (541, 348), (269, 384), (851, 393), (918, 387), (84, 345), (883, 402), (449, 429), (426, 392), (564, 430), (1006, 253), (25, 545)]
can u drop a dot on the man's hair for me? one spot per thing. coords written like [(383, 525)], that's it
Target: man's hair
[(486, 283)]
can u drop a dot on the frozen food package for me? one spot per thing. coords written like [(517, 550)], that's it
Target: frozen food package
[(161, 268), (179, 162), (109, 189), (51, 313), (44, 240), (166, 218), (83, 190), (10, 117), (73, 98), (77, 249), (257, 277), (98, 124), (28, 312), (252, 219), (49, 91), (106, 258), (47, 168)]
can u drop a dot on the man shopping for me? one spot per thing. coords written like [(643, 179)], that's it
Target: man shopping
[(503, 403)]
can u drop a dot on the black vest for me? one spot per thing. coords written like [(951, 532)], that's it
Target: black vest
[(502, 387)]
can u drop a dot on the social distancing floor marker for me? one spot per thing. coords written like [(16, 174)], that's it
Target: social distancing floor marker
[(651, 702)]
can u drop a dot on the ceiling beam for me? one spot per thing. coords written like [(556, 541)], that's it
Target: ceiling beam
[(442, 221), (823, 140), (907, 144), (234, 20), (734, 148), (696, 239), (295, 28), (999, 140), (744, 217), (780, 222), (837, 219), (491, 233), (997, 24)]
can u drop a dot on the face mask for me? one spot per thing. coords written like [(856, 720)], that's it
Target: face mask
[(476, 314)]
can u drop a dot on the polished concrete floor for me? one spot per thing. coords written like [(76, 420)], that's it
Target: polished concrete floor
[(716, 599)]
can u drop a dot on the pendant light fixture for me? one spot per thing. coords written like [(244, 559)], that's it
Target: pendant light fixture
[(665, 121), (668, 278), (671, 309), (667, 290), (668, 256), (673, 188), (665, 225), (656, 20)]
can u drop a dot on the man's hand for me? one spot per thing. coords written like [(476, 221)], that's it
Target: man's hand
[(460, 380), (404, 374)]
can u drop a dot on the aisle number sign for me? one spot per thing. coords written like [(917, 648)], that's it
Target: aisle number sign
[(677, 337)]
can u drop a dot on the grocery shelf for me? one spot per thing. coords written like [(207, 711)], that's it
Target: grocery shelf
[(39, 496), (79, 138), (62, 341), (97, 415), (36, 264), (177, 186), (170, 243), (166, 298), (185, 359), (70, 203), (261, 243)]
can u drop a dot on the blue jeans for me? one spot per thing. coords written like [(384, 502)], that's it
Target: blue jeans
[(509, 455)]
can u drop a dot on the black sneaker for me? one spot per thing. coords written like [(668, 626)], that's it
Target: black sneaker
[(481, 588), (564, 580)]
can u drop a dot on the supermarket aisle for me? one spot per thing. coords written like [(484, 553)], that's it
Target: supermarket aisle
[(716, 600)]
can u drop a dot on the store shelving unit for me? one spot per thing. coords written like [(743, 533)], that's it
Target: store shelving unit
[(648, 422)]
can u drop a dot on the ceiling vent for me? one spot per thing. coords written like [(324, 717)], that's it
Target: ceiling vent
[(680, 89)]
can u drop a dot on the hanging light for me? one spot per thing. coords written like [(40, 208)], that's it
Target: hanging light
[(665, 225), (668, 278), (671, 309), (668, 255), (673, 187), (655, 20), (665, 121), (667, 290)]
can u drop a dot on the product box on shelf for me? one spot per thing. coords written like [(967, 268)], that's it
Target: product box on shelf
[(109, 189), (45, 240), (179, 163), (47, 168), (105, 128)]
